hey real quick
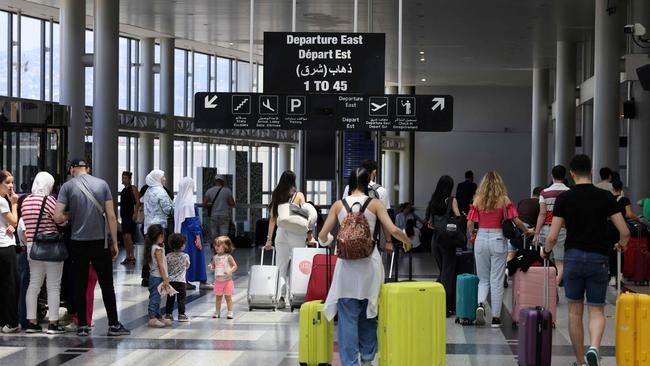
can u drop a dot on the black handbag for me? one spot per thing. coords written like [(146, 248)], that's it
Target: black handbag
[(48, 247), (509, 228), (450, 229)]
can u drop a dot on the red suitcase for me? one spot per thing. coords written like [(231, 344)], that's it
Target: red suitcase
[(526, 294), (638, 248), (317, 288), (536, 328)]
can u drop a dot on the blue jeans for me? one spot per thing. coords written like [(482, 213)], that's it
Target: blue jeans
[(490, 253), (585, 272), (23, 283), (154, 297), (356, 333)]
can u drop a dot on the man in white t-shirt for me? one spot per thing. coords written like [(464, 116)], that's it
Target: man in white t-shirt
[(375, 190)]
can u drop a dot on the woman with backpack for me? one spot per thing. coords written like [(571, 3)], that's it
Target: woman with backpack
[(285, 240), (356, 282), (490, 208), (441, 206)]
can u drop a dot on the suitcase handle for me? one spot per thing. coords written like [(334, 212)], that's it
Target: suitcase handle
[(618, 273), (546, 273), (272, 258), (392, 261)]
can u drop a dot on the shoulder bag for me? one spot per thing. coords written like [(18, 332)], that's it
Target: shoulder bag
[(209, 207), (508, 226), (450, 229), (49, 247), (99, 207)]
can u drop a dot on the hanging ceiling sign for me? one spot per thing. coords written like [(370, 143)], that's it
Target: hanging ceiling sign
[(324, 62), (324, 111)]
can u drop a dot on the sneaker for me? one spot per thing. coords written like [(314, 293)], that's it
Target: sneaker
[(230, 315), (155, 323), (183, 318), (83, 331), (55, 329), (281, 303), (189, 286), (612, 281), (33, 328), (167, 321), (480, 316), (9, 329), (168, 316), (496, 322), (117, 330), (366, 363), (216, 315), (593, 357), (72, 327)]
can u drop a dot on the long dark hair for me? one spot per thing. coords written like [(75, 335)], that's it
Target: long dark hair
[(283, 191), (437, 204), (4, 174), (359, 179), (153, 233)]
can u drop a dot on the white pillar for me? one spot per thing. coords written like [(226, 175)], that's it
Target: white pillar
[(607, 83), (405, 169), (72, 86), (639, 132), (284, 158), (539, 153), (565, 103), (145, 146), (167, 109), (388, 179), (105, 121)]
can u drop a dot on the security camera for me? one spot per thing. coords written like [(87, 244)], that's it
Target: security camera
[(636, 29)]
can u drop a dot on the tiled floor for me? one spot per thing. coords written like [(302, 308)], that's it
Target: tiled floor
[(253, 338)]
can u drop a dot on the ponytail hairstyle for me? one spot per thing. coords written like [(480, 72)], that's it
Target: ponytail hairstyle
[(359, 180)]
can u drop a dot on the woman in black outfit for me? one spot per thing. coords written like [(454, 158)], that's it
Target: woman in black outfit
[(444, 254)]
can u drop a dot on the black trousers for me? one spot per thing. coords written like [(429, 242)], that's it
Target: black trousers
[(84, 253), (446, 261), (169, 306), (9, 296)]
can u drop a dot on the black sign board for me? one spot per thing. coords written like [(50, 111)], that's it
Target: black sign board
[(324, 62), (324, 111)]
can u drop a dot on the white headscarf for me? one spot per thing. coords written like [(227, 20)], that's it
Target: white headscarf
[(184, 203), (43, 183), (153, 178)]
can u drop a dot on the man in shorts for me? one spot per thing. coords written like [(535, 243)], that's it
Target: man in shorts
[(584, 211), (220, 201), (545, 218)]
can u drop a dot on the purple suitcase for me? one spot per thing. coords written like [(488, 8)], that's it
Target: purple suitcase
[(536, 332)]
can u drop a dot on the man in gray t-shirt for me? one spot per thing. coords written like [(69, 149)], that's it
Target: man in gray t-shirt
[(221, 199), (86, 203)]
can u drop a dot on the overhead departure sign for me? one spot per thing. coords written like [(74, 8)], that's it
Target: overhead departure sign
[(324, 111), (324, 62)]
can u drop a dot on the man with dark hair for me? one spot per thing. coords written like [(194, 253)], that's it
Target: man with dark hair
[(528, 208), (606, 176), (585, 210), (129, 205), (545, 217), (465, 192)]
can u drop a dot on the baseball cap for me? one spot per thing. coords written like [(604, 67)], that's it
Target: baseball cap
[(219, 177), (75, 163)]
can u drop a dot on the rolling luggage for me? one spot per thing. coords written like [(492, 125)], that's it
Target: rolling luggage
[(632, 329), (263, 285), (466, 298), (316, 342), (536, 329), (322, 268), (412, 325), (525, 291), (465, 262), (639, 256), (301, 265)]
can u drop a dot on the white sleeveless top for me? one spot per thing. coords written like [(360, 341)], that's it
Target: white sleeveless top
[(368, 272)]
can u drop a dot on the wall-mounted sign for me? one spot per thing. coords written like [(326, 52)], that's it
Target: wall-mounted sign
[(324, 62), (324, 111)]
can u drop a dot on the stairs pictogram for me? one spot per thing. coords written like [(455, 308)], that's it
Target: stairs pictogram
[(241, 105)]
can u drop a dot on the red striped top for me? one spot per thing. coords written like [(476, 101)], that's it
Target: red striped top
[(30, 209)]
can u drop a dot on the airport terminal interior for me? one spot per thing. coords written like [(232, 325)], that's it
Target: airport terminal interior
[(234, 93)]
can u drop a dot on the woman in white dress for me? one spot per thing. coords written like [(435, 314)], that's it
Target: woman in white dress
[(356, 300)]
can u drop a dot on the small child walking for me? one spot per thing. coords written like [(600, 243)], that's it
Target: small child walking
[(223, 265), (154, 255), (177, 264)]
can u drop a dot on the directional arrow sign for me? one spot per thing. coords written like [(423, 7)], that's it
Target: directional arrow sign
[(210, 102), (438, 102)]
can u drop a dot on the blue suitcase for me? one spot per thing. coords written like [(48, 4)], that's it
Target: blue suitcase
[(466, 298)]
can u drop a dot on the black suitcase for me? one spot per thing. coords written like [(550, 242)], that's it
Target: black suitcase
[(465, 262)]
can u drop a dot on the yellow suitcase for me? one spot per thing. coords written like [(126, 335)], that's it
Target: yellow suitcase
[(632, 329), (316, 343), (412, 324)]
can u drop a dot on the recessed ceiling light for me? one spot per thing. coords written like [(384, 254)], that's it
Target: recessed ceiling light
[(230, 43), (423, 80), (421, 52), (422, 59)]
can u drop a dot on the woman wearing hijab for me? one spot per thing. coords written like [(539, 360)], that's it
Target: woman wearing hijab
[(40, 199), (158, 207), (187, 222)]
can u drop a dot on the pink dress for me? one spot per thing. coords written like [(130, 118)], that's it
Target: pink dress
[(223, 284)]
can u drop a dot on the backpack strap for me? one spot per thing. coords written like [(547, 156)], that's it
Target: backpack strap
[(365, 204), (449, 204)]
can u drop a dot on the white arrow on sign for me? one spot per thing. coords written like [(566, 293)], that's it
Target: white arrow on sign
[(438, 102), (210, 102)]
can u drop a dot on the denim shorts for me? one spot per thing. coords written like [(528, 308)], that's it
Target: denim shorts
[(586, 272)]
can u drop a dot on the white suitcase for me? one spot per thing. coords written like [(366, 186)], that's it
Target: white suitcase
[(263, 285), (301, 262)]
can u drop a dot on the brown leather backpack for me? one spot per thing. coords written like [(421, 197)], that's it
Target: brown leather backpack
[(354, 240)]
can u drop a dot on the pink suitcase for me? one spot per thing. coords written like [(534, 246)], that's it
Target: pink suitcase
[(526, 293)]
